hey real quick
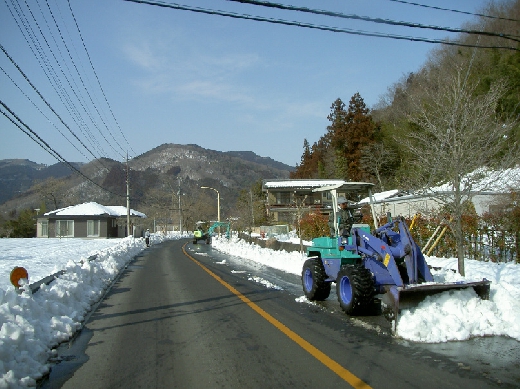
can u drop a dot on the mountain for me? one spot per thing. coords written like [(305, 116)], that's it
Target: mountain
[(252, 157), (18, 175), (232, 169), (166, 169)]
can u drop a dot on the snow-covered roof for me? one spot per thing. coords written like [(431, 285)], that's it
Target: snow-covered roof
[(491, 181), (300, 183), (94, 209), (380, 196)]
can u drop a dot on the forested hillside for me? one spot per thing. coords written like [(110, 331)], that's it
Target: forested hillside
[(468, 91)]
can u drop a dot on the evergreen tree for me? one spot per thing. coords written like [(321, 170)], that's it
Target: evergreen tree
[(305, 168), (359, 133), (337, 134), (24, 226)]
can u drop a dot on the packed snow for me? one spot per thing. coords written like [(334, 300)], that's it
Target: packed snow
[(32, 325)]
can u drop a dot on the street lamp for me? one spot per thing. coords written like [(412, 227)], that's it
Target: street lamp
[(218, 200)]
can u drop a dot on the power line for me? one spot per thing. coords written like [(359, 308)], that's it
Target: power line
[(30, 35), (52, 77), (313, 26), (97, 78), (84, 87), (35, 137), (456, 11), (84, 106), (369, 19), (44, 100), (39, 110)]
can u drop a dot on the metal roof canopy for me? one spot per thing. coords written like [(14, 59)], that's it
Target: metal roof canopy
[(348, 187)]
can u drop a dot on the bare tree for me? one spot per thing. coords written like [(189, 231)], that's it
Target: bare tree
[(52, 190), (375, 158), (457, 134)]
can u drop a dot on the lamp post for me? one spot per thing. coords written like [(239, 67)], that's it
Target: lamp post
[(218, 200)]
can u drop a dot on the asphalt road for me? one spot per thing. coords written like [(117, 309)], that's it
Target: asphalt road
[(179, 318)]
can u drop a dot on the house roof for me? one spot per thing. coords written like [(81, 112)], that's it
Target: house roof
[(299, 184), (380, 196), (94, 209), (316, 185)]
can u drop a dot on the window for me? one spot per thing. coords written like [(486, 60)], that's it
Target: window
[(92, 227), (44, 228), (65, 228), (283, 198)]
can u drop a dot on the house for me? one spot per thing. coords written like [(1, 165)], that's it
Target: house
[(488, 190), (407, 205), (284, 198), (88, 220)]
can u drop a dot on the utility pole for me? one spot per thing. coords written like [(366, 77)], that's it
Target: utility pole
[(252, 208), (127, 197), (180, 209)]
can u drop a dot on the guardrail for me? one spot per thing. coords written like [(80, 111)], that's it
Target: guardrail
[(272, 244), (35, 286)]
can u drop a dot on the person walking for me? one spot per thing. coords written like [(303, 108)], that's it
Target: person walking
[(147, 237)]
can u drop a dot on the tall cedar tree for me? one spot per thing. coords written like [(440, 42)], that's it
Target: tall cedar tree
[(319, 161), (361, 131), (350, 132), (337, 154), (314, 161), (305, 169), (336, 133)]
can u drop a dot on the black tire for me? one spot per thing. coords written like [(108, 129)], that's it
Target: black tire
[(355, 288), (313, 280)]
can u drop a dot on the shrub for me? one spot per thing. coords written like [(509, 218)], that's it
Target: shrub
[(313, 225)]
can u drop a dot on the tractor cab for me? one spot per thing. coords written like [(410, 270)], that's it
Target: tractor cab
[(352, 192)]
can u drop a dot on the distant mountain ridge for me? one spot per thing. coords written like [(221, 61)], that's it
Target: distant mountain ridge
[(252, 157), (18, 175), (190, 164)]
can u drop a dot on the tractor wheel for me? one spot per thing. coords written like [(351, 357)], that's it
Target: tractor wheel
[(355, 288), (313, 280)]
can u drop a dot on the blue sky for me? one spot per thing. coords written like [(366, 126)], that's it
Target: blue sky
[(173, 76)]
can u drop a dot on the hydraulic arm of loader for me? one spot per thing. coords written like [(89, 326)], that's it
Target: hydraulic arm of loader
[(387, 252), (220, 224)]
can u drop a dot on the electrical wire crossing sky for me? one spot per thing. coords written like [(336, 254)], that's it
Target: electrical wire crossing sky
[(85, 80)]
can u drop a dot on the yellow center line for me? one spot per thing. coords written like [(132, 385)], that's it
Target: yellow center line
[(319, 355)]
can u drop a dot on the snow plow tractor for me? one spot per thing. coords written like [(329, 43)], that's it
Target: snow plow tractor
[(385, 264), (201, 233)]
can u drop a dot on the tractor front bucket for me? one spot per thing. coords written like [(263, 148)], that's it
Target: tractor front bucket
[(397, 298)]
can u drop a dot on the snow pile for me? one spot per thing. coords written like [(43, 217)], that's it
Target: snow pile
[(461, 314), (448, 316), (281, 260), (32, 324)]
